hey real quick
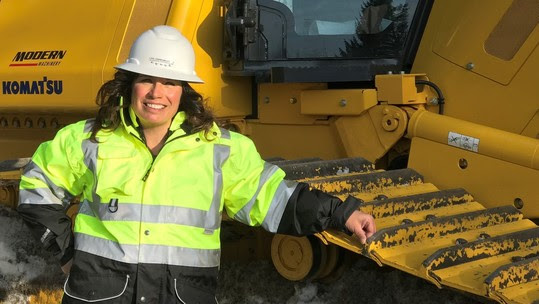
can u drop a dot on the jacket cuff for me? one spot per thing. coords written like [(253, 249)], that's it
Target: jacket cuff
[(343, 212)]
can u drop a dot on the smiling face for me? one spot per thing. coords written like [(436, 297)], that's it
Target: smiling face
[(155, 100)]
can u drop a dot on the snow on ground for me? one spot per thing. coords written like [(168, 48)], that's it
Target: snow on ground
[(365, 282), (24, 268)]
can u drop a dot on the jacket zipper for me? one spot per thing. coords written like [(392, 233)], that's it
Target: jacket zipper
[(145, 177), (143, 140)]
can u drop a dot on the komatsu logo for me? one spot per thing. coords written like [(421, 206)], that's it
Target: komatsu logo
[(38, 58), (31, 87)]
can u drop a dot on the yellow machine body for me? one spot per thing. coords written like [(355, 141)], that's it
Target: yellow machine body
[(482, 54)]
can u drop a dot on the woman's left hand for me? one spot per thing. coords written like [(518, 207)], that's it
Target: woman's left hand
[(362, 225)]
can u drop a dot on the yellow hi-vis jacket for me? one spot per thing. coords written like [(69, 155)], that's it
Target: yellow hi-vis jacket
[(136, 208), (148, 227)]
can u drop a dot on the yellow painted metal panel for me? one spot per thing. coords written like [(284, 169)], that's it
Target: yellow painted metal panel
[(337, 102), (502, 145), (135, 19), (399, 89), (381, 128), (532, 129), (300, 140), (185, 15), (461, 37), (202, 22), (56, 51), (278, 103), (469, 95), (492, 182)]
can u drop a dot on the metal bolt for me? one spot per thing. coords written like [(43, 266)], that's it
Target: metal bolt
[(3, 122), (54, 123), (433, 101), (343, 103), (380, 197), (293, 100), (402, 72), (16, 122), (470, 66), (518, 203), (461, 241), (389, 72), (266, 99), (517, 259), (28, 123), (41, 122), (463, 163), (406, 221), (484, 236)]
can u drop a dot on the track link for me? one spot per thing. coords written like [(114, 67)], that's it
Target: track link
[(443, 236)]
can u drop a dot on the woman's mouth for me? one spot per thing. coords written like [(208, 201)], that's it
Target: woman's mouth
[(154, 106)]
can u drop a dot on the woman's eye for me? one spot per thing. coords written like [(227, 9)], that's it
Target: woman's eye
[(170, 83)]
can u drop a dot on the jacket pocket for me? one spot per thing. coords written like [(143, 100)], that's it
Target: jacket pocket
[(95, 288), (188, 293), (117, 168)]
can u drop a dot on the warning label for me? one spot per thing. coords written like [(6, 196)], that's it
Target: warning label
[(463, 141)]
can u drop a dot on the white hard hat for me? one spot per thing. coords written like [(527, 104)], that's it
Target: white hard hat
[(162, 52)]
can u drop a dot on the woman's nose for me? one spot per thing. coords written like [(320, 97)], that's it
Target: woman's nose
[(157, 89)]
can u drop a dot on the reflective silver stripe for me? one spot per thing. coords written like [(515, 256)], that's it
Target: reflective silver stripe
[(243, 214), (89, 125), (96, 300), (225, 133), (39, 196), (213, 217), (32, 170), (90, 150), (278, 205), (154, 254), (152, 213), (44, 236)]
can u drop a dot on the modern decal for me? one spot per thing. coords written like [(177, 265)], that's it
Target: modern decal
[(38, 58)]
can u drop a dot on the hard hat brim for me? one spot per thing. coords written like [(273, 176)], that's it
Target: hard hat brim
[(157, 72)]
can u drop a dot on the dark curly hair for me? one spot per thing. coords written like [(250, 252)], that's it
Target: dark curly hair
[(199, 117)]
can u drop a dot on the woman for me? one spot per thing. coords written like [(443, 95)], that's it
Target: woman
[(153, 173)]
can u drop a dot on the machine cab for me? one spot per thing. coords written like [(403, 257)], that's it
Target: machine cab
[(322, 41)]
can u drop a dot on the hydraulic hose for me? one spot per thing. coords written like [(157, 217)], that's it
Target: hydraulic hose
[(441, 99)]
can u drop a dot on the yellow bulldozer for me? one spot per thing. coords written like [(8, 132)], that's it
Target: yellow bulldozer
[(427, 110)]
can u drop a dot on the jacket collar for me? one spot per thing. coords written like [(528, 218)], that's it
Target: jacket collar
[(131, 124)]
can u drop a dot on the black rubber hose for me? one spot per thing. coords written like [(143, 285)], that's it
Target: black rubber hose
[(441, 99)]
